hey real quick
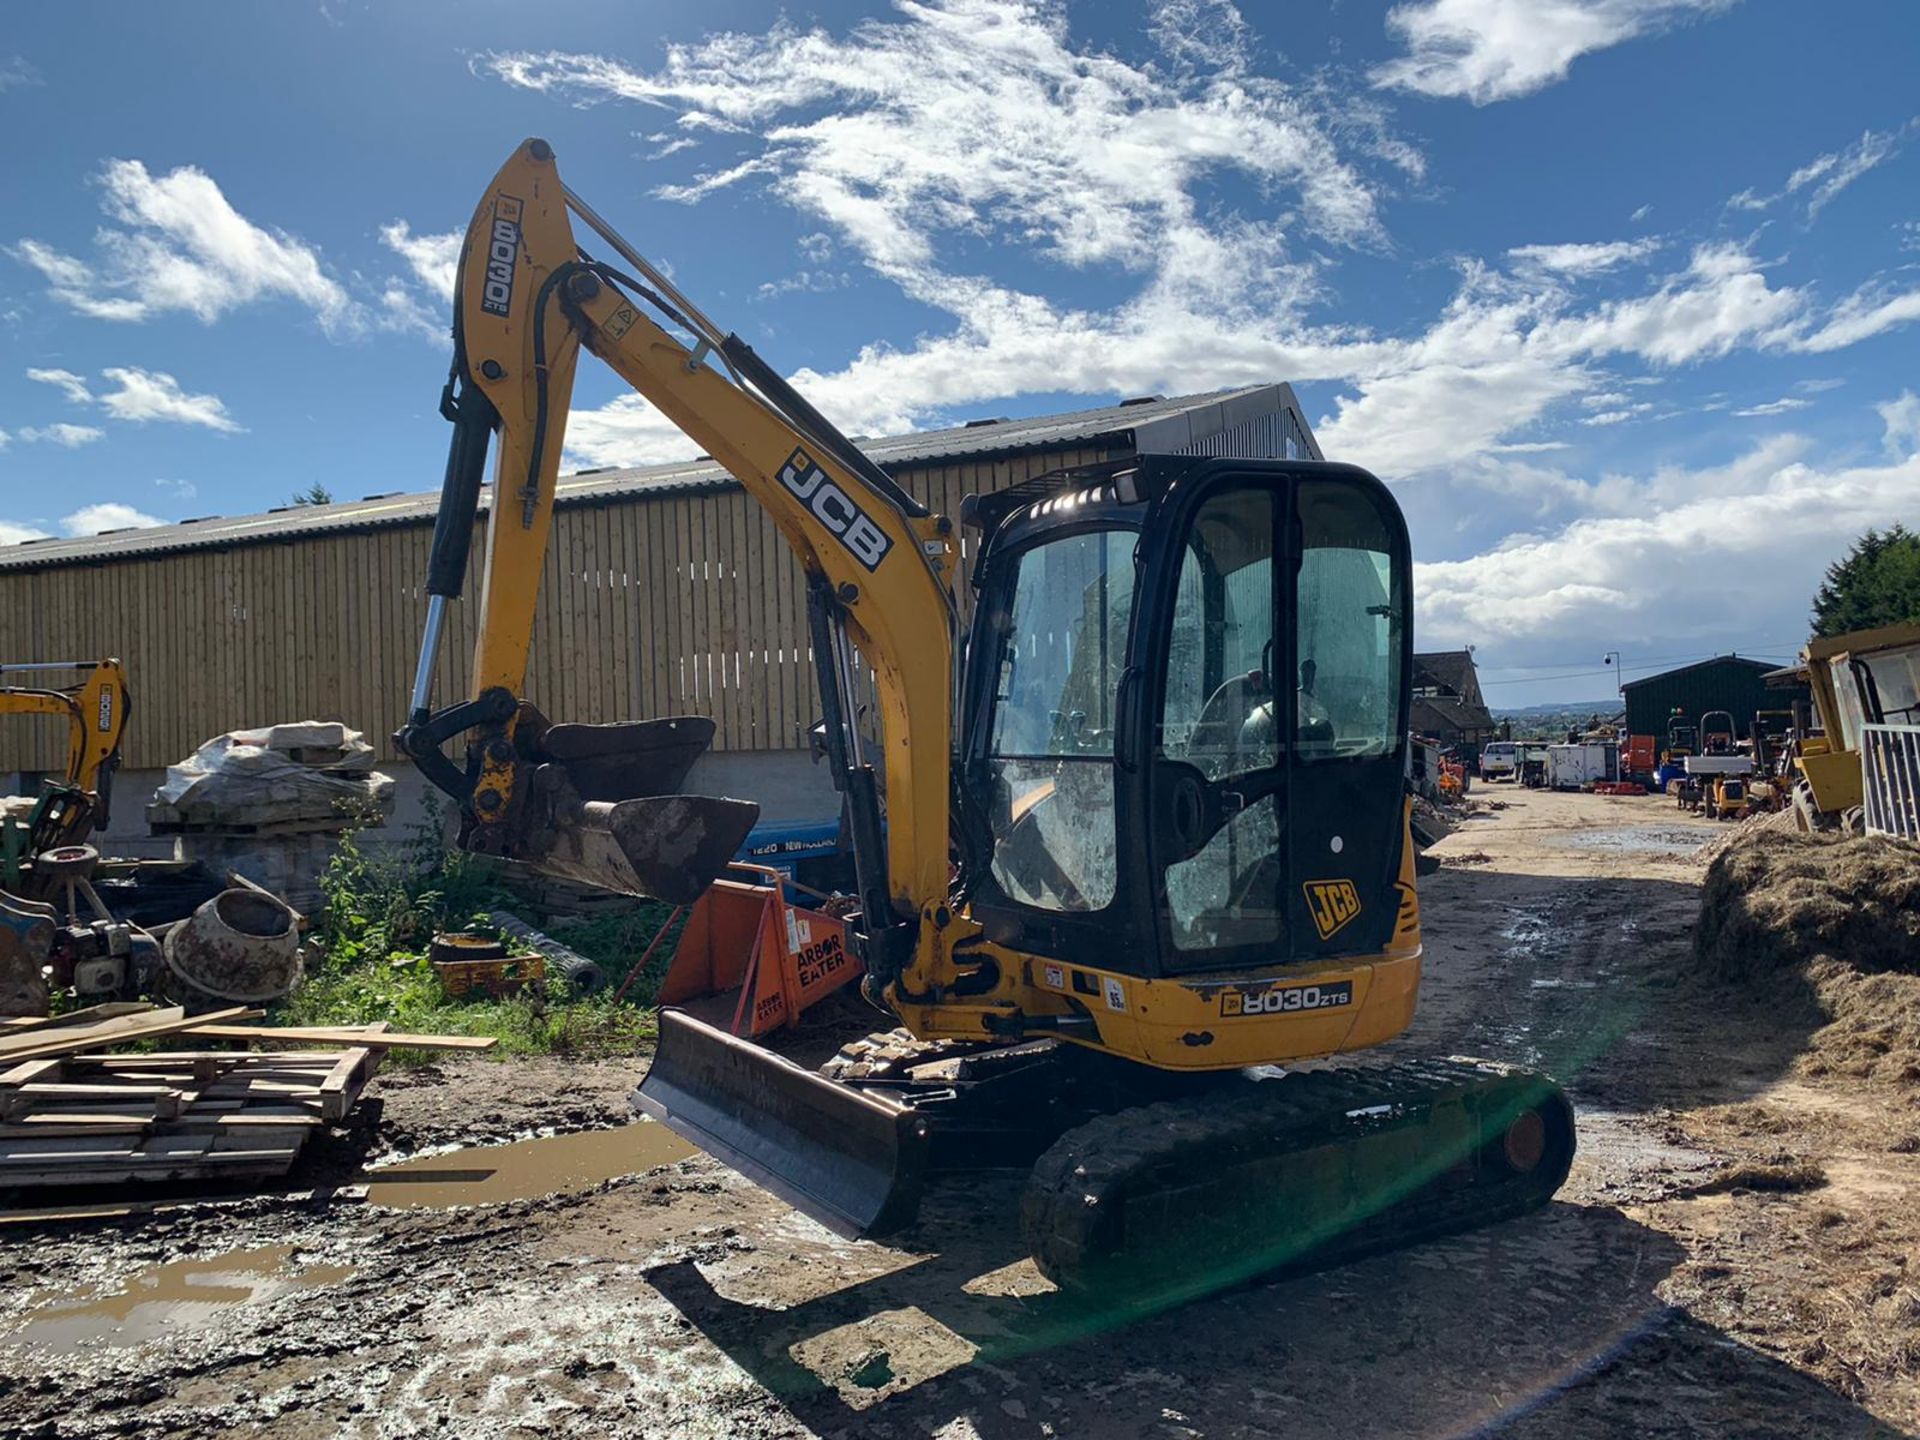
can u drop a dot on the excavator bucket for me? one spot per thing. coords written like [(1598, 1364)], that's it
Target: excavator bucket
[(628, 759), (667, 846), (855, 1162), (602, 808)]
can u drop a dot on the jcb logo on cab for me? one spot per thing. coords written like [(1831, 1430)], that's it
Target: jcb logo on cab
[(1333, 903)]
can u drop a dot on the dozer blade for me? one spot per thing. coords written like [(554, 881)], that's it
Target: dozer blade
[(670, 847), (853, 1161)]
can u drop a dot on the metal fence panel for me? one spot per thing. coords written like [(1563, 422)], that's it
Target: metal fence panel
[(1890, 779)]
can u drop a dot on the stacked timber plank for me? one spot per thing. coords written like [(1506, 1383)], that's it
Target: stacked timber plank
[(71, 1113)]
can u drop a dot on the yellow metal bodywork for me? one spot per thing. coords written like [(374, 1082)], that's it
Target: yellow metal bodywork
[(95, 712), (1832, 765), (900, 613), (1834, 777)]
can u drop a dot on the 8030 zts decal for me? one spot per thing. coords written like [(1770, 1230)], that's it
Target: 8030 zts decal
[(1288, 999)]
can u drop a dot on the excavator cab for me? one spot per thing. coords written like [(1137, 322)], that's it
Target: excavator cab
[(1182, 758), (1185, 707)]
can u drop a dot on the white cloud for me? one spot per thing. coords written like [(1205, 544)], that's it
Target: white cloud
[(1862, 315), (1738, 549), (67, 437), (1832, 173), (1608, 417), (178, 245), (16, 73), (1488, 50), (72, 385), (12, 533), (914, 141), (1579, 259), (179, 489), (1825, 176), (145, 395), (1202, 34), (1781, 406), (816, 281), (5, 439), (433, 258), (1901, 417), (108, 515), (979, 118)]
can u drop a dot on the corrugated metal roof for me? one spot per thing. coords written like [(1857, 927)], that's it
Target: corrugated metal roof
[(1157, 423)]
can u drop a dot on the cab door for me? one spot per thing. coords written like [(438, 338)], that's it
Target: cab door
[(1218, 658), (1275, 645)]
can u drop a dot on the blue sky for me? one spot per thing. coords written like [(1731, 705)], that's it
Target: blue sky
[(1621, 295)]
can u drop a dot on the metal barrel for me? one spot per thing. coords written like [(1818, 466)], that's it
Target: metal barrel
[(855, 1162)]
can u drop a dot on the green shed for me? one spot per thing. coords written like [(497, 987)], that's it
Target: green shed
[(1727, 682)]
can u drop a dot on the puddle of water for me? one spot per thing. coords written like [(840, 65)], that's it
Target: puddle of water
[(526, 1169), (1642, 839), (165, 1300)]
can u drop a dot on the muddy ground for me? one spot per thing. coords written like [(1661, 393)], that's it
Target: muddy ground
[(1656, 1297)]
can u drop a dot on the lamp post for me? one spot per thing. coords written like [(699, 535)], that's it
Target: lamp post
[(1612, 657)]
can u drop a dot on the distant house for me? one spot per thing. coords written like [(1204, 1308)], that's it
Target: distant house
[(1447, 703)]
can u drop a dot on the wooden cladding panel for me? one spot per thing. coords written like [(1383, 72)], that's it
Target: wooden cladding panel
[(669, 604)]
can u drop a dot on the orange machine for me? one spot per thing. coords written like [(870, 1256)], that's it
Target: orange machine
[(750, 953), (1639, 757)]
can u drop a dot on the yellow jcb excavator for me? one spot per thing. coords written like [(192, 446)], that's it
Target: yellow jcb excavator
[(1145, 838), (95, 710)]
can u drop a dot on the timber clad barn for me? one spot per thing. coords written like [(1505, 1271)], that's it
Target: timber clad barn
[(666, 592)]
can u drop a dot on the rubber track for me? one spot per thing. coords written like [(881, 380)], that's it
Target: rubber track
[(1073, 1212)]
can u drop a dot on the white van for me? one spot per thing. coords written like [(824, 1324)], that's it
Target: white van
[(1499, 760)]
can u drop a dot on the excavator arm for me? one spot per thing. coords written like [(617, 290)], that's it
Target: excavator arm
[(96, 714), (879, 572)]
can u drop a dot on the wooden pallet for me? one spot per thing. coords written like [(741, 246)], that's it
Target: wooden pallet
[(101, 1120)]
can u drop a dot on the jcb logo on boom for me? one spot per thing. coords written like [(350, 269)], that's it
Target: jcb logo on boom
[(503, 252), (1332, 903), (834, 508)]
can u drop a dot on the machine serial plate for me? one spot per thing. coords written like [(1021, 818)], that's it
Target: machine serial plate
[(1288, 999)]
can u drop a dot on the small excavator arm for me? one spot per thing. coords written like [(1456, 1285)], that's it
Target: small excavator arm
[(95, 711), (597, 802), (96, 714)]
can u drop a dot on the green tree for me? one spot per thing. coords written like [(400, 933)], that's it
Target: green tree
[(314, 494), (1875, 583)]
